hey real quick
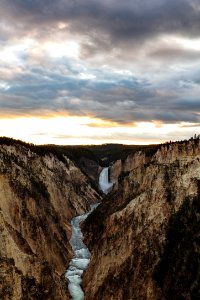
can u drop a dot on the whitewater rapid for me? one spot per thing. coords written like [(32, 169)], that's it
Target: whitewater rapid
[(81, 257)]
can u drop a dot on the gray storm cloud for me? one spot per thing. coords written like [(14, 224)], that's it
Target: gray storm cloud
[(121, 20), (163, 80)]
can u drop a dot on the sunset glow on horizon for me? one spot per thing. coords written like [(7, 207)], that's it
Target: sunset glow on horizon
[(73, 130)]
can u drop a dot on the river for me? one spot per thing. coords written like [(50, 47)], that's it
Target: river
[(81, 257)]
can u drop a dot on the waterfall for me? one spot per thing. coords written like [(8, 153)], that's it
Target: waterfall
[(104, 183), (81, 257)]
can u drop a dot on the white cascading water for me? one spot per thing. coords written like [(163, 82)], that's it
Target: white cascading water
[(81, 257), (104, 183)]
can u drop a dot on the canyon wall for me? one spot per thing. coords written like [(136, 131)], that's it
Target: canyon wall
[(38, 198), (90, 168), (144, 237)]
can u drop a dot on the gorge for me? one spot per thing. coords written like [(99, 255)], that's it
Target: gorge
[(146, 246), (142, 240), (81, 257)]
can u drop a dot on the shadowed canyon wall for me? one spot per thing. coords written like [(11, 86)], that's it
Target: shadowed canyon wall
[(144, 237)]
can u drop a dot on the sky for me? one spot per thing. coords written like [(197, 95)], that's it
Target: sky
[(99, 71)]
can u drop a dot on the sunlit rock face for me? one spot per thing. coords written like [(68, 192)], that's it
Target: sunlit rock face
[(132, 161), (143, 238), (38, 198)]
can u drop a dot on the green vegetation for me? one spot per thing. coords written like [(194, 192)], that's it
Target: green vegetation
[(103, 155), (73, 152), (108, 153), (9, 141)]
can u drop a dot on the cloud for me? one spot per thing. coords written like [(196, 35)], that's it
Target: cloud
[(174, 54), (119, 20), (121, 98), (115, 30), (135, 61), (190, 125)]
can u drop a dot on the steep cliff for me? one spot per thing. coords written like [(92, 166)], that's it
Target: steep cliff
[(38, 197), (132, 161), (144, 237)]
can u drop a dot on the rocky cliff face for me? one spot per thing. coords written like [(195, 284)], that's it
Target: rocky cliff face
[(92, 169), (144, 237), (134, 160), (38, 198)]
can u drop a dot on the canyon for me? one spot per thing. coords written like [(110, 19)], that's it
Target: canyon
[(81, 257), (39, 195), (143, 237), (146, 245)]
